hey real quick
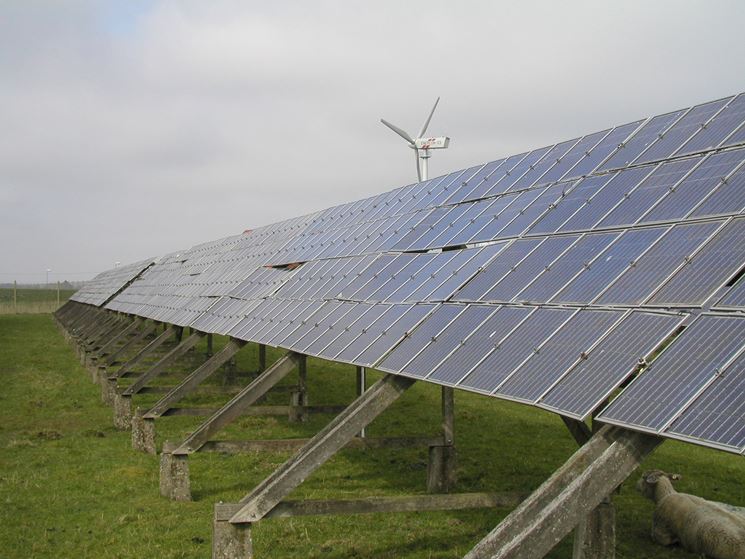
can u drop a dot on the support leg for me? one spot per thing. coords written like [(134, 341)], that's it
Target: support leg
[(230, 541), (568, 496), (441, 471), (174, 474), (299, 396), (320, 448)]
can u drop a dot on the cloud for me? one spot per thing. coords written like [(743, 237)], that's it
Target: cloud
[(138, 128)]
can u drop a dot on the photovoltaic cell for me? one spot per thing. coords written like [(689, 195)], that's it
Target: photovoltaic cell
[(575, 198), (718, 414), (424, 334), (572, 157), (388, 338), (717, 130), (479, 343), (513, 350), (558, 274), (708, 270), (535, 173), (682, 130), (652, 189), (728, 197), (543, 203), (695, 187), (528, 269), (608, 265), (609, 363), (367, 315), (498, 268), (643, 138), (606, 199), (511, 176), (608, 145), (685, 367), (492, 230), (735, 297), (641, 279), (568, 346), (477, 185)]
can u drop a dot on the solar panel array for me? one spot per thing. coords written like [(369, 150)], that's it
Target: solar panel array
[(551, 278), (105, 285)]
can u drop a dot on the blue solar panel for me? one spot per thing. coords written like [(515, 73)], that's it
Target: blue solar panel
[(568, 346), (528, 269), (558, 274), (602, 370), (727, 197), (579, 151), (608, 145), (477, 184), (671, 252), (687, 365), (514, 349), (578, 194), (682, 131), (608, 265), (390, 336), (708, 270), (360, 320), (695, 187), (511, 176), (478, 344), (425, 333), (718, 414), (719, 128), (614, 192), (652, 189), (492, 229), (542, 204), (534, 175), (735, 297), (641, 140), (502, 264)]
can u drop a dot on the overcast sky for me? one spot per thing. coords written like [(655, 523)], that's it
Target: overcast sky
[(135, 128)]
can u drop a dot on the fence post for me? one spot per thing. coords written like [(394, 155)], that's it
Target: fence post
[(57, 294), (15, 296)]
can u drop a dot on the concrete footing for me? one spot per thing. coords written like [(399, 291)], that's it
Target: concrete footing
[(122, 408), (230, 541), (174, 475), (143, 433)]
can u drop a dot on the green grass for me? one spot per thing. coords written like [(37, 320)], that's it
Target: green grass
[(70, 485), (31, 301)]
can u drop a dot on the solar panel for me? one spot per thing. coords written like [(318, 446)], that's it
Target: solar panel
[(569, 345), (543, 277), (427, 332), (641, 140), (605, 366), (514, 349), (717, 415), (687, 366), (707, 270), (682, 130), (478, 343), (716, 131), (669, 253)]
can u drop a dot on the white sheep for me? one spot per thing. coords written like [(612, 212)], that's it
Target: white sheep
[(709, 528)]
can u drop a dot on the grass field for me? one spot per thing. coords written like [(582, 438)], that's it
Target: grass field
[(32, 301), (71, 486)]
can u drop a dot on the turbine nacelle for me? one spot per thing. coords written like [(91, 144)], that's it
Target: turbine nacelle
[(440, 142), (421, 143)]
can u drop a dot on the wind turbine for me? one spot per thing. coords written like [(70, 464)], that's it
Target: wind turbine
[(421, 144)]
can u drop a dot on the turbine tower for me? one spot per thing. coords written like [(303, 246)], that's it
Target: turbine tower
[(421, 144)]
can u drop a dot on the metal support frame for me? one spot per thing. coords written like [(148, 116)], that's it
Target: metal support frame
[(147, 330), (568, 496), (145, 352), (106, 348)]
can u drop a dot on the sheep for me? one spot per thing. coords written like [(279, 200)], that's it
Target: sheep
[(705, 527)]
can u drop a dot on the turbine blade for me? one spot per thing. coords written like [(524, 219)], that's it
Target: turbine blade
[(398, 131), (426, 122), (418, 170)]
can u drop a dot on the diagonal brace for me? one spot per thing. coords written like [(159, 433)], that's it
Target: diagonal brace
[(568, 496), (235, 407), (145, 351), (164, 362), (190, 383), (320, 448)]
